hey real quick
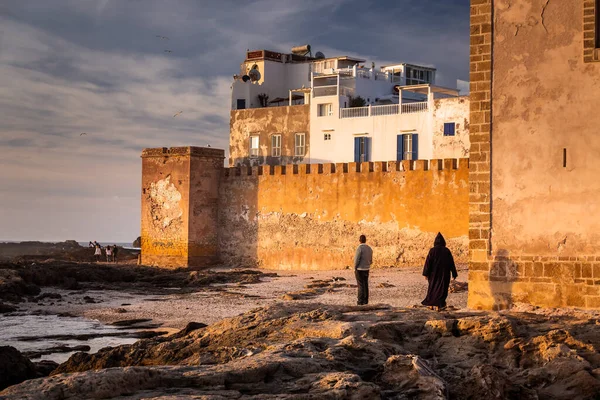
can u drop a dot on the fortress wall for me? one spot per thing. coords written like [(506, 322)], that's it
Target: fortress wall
[(310, 216)]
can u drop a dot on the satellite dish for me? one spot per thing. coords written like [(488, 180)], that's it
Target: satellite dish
[(254, 75), (245, 78), (319, 55)]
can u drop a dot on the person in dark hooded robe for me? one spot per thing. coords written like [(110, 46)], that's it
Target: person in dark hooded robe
[(439, 265)]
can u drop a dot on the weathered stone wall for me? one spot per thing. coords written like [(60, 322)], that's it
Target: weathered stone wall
[(310, 216), (535, 210), (179, 206), (265, 122), (453, 110)]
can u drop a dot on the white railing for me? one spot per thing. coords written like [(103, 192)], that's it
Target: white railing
[(387, 109), (354, 112), (330, 90), (409, 108)]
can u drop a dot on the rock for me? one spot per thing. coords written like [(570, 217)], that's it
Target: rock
[(457, 286), (137, 243), (55, 349), (192, 326), (131, 322), (303, 350), (384, 285), (45, 367), (6, 308), (44, 296), (14, 367)]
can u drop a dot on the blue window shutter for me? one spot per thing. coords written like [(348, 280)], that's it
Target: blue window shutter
[(399, 148), (449, 128), (415, 146), (367, 143), (356, 149)]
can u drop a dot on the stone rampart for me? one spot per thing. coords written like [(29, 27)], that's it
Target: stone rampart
[(310, 216), (307, 216)]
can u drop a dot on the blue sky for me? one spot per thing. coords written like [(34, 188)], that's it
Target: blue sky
[(97, 66)]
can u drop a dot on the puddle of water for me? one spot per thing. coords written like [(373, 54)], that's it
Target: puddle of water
[(31, 333)]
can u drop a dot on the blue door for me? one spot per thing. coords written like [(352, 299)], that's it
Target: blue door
[(361, 149)]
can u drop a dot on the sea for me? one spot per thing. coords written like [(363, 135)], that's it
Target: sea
[(126, 245)]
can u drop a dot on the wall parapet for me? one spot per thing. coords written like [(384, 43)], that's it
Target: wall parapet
[(349, 168), (183, 151)]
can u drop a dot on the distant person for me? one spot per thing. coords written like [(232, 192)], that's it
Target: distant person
[(108, 251), (438, 267), (91, 244), (362, 263), (115, 252), (97, 251)]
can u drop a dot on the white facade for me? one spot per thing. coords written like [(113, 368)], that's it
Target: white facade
[(405, 116)]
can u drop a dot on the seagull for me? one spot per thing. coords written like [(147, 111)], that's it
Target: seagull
[(176, 114), (168, 51), (162, 37), (83, 133)]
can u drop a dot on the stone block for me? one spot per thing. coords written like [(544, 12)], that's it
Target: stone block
[(538, 269), (574, 296), (592, 302), (586, 270)]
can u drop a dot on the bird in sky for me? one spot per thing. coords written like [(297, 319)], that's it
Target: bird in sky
[(83, 133), (162, 37), (176, 114), (168, 51)]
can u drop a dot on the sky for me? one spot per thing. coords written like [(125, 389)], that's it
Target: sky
[(85, 85)]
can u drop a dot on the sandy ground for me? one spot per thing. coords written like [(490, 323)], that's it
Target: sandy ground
[(175, 311)]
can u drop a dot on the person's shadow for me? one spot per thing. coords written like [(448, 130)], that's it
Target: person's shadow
[(503, 273)]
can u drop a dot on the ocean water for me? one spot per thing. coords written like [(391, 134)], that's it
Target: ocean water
[(103, 244), (31, 332)]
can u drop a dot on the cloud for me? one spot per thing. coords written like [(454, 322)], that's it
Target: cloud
[(73, 66)]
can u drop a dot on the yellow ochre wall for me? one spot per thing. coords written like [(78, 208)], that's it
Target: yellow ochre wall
[(309, 217)]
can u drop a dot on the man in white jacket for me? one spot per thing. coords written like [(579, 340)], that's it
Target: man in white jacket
[(362, 263)]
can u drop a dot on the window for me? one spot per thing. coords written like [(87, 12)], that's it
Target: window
[(407, 147), (449, 128), (327, 136), (276, 146), (325, 110), (241, 104), (361, 149), (300, 145), (254, 148)]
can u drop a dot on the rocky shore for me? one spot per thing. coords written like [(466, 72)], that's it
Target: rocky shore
[(247, 334), (316, 351)]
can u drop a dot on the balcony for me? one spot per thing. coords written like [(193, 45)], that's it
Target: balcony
[(363, 73), (387, 109), (332, 90)]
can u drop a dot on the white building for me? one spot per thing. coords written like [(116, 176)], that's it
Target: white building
[(357, 113)]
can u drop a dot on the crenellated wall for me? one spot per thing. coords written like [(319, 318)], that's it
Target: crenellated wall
[(307, 216), (310, 216)]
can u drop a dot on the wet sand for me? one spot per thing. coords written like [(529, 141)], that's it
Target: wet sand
[(396, 287)]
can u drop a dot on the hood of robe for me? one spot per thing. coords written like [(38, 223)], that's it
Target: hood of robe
[(439, 240)]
